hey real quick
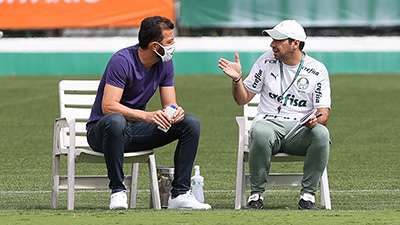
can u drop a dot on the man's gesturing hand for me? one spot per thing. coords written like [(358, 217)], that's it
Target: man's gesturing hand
[(232, 69)]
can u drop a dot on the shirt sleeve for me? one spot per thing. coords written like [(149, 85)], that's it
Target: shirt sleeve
[(322, 94), (117, 71), (255, 80), (168, 75)]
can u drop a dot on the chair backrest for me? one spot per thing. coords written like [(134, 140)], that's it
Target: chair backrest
[(76, 100), (250, 111)]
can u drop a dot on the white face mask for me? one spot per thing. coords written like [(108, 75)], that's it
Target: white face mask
[(168, 52)]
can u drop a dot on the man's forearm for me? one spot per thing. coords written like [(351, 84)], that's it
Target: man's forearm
[(130, 114), (240, 93)]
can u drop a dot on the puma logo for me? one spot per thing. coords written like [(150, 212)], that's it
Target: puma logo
[(273, 75)]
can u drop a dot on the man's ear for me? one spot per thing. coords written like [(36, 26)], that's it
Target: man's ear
[(156, 46), (296, 44), (153, 46)]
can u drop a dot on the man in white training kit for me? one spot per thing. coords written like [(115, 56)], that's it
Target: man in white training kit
[(291, 84)]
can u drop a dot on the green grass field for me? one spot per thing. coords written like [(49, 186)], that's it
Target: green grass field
[(363, 169)]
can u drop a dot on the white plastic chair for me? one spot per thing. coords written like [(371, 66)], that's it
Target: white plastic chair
[(290, 179), (76, 100)]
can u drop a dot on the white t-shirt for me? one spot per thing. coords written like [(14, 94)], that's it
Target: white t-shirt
[(310, 90)]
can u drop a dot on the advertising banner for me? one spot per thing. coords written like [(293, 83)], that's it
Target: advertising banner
[(48, 14)]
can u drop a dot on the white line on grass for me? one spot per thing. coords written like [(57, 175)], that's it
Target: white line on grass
[(210, 191)]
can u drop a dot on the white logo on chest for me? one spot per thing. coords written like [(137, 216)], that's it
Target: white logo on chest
[(302, 83)]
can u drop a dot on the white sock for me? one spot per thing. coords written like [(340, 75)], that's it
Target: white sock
[(308, 197)]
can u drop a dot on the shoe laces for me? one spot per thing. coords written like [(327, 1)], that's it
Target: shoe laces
[(189, 194)]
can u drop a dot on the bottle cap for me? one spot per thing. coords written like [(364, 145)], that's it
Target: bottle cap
[(173, 106), (196, 170)]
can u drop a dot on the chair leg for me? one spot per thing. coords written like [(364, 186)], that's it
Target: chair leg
[(71, 182), (55, 180), (134, 184), (155, 195), (325, 194), (240, 179), (245, 178)]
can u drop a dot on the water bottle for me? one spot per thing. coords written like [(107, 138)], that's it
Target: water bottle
[(170, 111), (197, 182)]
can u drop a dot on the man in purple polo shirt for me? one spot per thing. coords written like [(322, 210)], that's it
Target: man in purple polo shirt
[(119, 123)]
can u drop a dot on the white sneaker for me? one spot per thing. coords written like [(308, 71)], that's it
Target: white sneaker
[(186, 201), (119, 200)]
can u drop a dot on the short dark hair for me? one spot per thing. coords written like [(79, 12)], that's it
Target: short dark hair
[(301, 45), (151, 29)]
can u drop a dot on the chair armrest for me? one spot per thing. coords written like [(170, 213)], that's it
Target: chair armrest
[(60, 123), (243, 136)]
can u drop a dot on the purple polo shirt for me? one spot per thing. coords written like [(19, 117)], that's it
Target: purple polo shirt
[(125, 70)]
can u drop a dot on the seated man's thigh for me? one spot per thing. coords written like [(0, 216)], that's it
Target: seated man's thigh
[(299, 144)]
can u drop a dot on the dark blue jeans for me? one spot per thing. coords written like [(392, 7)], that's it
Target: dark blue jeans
[(113, 135)]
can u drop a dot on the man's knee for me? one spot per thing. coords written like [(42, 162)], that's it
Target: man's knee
[(114, 124), (320, 133), (192, 123), (262, 134)]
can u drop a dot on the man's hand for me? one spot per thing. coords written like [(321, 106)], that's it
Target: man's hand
[(321, 116), (313, 121), (158, 117), (232, 69), (179, 115)]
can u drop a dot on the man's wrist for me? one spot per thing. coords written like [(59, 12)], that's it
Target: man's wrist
[(235, 80)]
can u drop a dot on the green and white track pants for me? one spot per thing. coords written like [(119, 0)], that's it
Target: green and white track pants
[(266, 138)]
